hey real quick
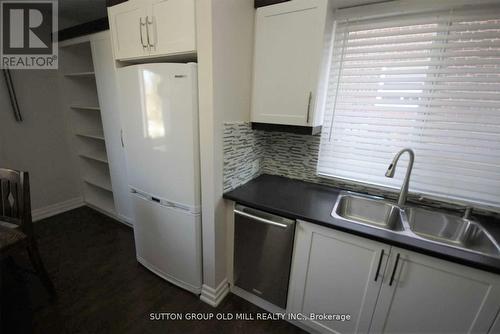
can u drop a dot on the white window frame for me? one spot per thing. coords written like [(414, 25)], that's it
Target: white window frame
[(389, 9)]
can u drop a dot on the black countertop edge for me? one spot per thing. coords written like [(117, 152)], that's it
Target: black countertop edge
[(313, 203)]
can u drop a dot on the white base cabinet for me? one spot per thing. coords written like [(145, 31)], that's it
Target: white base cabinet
[(334, 272), (385, 289), (429, 295)]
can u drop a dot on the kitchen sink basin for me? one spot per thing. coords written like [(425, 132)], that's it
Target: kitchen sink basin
[(369, 211), (451, 230), (416, 222)]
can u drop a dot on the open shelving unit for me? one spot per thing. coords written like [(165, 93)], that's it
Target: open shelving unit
[(86, 126)]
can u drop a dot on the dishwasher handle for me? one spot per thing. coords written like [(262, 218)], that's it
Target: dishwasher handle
[(239, 210)]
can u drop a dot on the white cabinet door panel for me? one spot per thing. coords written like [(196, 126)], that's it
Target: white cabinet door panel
[(287, 56), (334, 273), (107, 91), (125, 24), (429, 295), (172, 30)]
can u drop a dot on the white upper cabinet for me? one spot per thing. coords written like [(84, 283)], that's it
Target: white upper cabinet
[(288, 58), (152, 28), (128, 29), (173, 27), (334, 272), (422, 294)]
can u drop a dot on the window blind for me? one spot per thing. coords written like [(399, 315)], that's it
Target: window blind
[(428, 81)]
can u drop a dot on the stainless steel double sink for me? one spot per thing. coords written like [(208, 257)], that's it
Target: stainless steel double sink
[(416, 222)]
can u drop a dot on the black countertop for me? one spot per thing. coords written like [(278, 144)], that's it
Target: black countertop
[(314, 203)]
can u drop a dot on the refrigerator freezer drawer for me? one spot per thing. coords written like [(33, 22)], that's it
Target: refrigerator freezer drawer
[(262, 253), (168, 242)]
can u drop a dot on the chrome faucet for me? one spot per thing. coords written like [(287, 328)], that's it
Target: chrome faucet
[(392, 168)]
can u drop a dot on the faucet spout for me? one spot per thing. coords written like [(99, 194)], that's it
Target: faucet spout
[(403, 194)]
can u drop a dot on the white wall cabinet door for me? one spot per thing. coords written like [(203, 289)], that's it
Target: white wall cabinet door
[(335, 272), (172, 27), (429, 295), (107, 84), (289, 42), (153, 28), (127, 23)]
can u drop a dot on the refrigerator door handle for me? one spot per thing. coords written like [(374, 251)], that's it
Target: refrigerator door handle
[(164, 202)]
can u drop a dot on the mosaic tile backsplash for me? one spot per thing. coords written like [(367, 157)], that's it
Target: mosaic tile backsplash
[(243, 154), (249, 153)]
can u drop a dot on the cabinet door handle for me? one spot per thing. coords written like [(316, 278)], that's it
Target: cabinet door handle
[(141, 32), (150, 39), (147, 31), (309, 106), (394, 270), (379, 264), (121, 137)]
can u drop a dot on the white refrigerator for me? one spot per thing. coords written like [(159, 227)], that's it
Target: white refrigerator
[(160, 132)]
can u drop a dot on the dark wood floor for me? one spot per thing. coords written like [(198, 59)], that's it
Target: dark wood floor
[(101, 287)]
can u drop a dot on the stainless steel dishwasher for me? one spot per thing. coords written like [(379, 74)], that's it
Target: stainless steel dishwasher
[(263, 245)]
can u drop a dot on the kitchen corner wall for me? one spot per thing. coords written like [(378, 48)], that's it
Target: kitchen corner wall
[(248, 153), (243, 154), (40, 143)]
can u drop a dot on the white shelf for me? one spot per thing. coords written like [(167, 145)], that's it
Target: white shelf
[(80, 75), (85, 108), (98, 184), (93, 135), (97, 175), (96, 156)]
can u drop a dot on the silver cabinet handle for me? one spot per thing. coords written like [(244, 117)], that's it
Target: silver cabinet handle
[(150, 43), (260, 219), (141, 32), (309, 106), (121, 137)]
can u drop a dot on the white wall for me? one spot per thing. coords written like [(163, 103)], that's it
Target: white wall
[(225, 52), (40, 144), (233, 58)]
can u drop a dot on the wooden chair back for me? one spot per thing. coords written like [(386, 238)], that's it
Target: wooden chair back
[(15, 203)]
